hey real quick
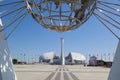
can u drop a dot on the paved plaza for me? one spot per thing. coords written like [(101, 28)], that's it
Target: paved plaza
[(57, 72)]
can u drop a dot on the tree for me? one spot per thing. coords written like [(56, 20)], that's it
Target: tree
[(15, 61)]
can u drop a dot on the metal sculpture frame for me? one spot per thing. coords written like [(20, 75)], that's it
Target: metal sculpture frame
[(58, 19)]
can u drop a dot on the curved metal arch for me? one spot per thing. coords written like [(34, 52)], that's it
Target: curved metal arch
[(109, 15)]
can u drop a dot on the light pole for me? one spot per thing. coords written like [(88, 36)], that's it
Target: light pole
[(109, 56), (24, 57)]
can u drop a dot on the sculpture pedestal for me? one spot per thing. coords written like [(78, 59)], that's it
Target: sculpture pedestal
[(115, 69), (6, 66)]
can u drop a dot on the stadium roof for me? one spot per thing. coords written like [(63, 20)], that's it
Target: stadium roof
[(49, 55), (77, 56)]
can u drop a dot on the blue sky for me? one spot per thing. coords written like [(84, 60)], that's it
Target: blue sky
[(91, 38), (33, 40)]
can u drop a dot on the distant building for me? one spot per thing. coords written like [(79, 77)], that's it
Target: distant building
[(104, 63), (93, 61), (49, 57), (75, 58)]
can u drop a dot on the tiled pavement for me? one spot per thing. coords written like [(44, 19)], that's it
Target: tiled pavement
[(57, 72), (62, 73)]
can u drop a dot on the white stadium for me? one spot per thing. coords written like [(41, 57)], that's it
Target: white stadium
[(72, 58), (75, 58), (49, 57)]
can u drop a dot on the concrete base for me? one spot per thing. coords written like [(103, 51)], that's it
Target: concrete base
[(115, 70), (6, 66)]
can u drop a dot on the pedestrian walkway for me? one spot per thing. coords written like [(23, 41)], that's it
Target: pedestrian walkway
[(62, 73), (57, 72)]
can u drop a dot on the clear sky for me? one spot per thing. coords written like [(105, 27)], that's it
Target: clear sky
[(33, 40)]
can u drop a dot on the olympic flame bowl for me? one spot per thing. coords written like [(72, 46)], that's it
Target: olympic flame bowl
[(61, 15)]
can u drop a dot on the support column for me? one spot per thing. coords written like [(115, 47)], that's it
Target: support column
[(6, 66), (115, 69), (62, 52)]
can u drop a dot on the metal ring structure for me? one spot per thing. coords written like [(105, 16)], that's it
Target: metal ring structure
[(60, 15)]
